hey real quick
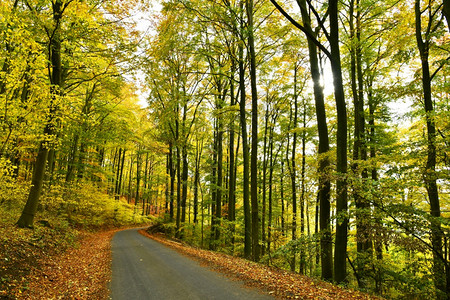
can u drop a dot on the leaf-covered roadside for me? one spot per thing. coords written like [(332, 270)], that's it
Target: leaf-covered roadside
[(276, 282), (42, 270)]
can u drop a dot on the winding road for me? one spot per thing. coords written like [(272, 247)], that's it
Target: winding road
[(145, 269)]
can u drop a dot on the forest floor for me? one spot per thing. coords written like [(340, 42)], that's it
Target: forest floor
[(34, 265), (38, 264)]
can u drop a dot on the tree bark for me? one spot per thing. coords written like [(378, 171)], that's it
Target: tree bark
[(219, 171), (440, 265), (264, 179), (184, 177), (326, 253), (254, 157), (245, 148), (245, 157), (293, 172), (446, 12), (172, 182), (340, 249), (27, 217), (303, 191)]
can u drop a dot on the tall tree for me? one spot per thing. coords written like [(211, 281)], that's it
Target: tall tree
[(254, 157), (245, 147), (441, 270), (54, 44), (324, 147)]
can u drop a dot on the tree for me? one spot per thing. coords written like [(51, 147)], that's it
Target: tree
[(254, 158), (440, 265), (324, 147), (56, 81)]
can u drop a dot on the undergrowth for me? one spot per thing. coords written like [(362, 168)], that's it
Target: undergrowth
[(65, 213)]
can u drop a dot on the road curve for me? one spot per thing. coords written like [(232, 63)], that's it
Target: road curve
[(145, 269)]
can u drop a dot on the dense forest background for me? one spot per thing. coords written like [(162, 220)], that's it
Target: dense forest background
[(307, 135)]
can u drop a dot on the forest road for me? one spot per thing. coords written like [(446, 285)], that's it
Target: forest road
[(145, 269)]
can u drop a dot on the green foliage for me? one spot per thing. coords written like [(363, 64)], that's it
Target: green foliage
[(83, 204), (12, 194)]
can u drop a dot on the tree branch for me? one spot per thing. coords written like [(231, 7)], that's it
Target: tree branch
[(306, 32)]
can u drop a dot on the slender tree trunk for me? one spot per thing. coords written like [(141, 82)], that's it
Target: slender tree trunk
[(254, 157), (167, 181), (340, 249), (245, 151), (219, 171), (130, 177), (293, 173), (121, 173), (264, 179), (146, 185), (172, 183), (231, 150), (303, 191), (326, 252), (185, 174), (138, 179), (378, 238), (283, 226), (184, 180), (198, 154), (116, 187), (440, 265), (179, 183), (212, 242), (27, 217), (271, 167), (359, 153)]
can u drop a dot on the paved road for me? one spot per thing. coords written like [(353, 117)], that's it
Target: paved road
[(145, 269)]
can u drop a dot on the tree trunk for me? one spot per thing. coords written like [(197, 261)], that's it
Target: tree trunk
[(212, 244), (130, 173), (363, 242), (119, 191), (172, 183), (264, 179), (184, 178), (254, 157), (167, 182), (231, 169), (138, 179), (378, 244), (340, 249), (219, 171), (245, 151), (326, 253), (303, 191), (117, 184), (441, 280), (198, 154), (179, 183), (293, 172), (27, 217), (446, 12), (283, 226), (271, 167)]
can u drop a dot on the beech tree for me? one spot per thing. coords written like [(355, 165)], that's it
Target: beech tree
[(440, 264)]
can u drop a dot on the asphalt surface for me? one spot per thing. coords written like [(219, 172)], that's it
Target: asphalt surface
[(145, 269)]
